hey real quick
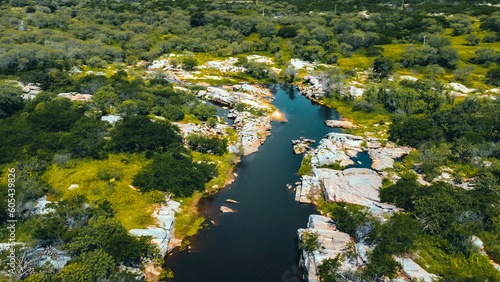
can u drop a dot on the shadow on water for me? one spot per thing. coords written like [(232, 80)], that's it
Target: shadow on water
[(259, 241)]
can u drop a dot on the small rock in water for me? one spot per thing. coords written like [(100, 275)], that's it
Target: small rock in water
[(289, 186), (224, 209), (232, 201)]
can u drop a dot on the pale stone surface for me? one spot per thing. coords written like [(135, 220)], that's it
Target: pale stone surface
[(162, 232), (384, 157), (51, 255), (111, 118), (224, 209), (461, 88), (407, 77), (332, 243), (415, 271), (340, 124), (40, 207), (336, 147)]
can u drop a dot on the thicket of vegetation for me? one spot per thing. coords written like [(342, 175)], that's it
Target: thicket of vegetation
[(54, 143)]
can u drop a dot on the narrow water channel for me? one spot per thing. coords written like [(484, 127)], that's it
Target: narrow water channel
[(259, 241)]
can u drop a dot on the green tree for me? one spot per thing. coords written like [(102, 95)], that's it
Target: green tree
[(493, 76), (91, 266), (139, 133), (472, 39), (189, 63), (105, 98), (11, 100), (176, 174), (382, 66)]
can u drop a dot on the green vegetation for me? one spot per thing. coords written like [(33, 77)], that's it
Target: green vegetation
[(309, 241), (103, 48), (203, 144), (305, 168)]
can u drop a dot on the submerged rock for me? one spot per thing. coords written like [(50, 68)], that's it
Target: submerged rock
[(224, 209)]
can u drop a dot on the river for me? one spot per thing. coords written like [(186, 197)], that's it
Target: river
[(259, 241)]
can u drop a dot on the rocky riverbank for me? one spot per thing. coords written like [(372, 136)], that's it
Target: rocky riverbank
[(359, 186)]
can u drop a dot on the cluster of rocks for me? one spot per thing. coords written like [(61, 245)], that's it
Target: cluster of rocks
[(353, 255), (302, 145), (332, 243), (241, 93), (202, 129), (30, 90), (358, 186), (162, 231), (251, 130), (314, 88), (354, 185), (75, 96), (224, 66)]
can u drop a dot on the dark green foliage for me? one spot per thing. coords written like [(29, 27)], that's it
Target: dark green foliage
[(203, 112), (288, 31), (445, 56), (493, 76), (309, 241), (347, 217), (328, 270), (398, 236), (189, 63), (139, 133), (382, 66), (110, 236), (173, 113), (257, 70), (90, 266), (176, 174), (11, 100), (205, 144), (403, 194), (381, 264), (414, 131), (335, 166)]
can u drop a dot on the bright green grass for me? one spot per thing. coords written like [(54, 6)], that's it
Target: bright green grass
[(106, 180), (365, 121), (436, 261)]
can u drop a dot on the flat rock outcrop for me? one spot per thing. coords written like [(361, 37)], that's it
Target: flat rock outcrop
[(358, 186), (415, 271), (384, 157), (340, 124), (162, 232), (336, 147), (332, 243)]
